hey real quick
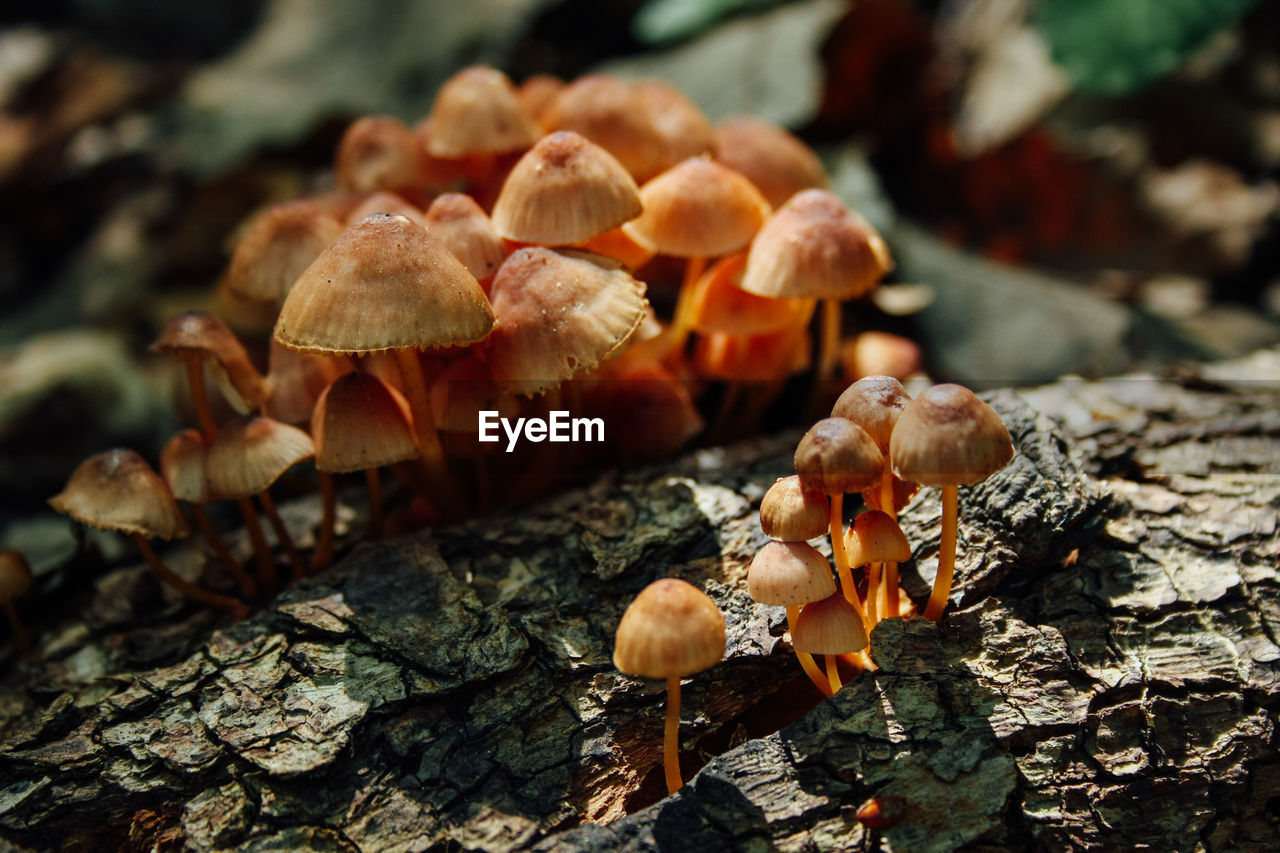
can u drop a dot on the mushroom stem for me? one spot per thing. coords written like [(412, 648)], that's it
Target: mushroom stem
[(424, 423), (374, 484), (261, 550), (873, 589), (946, 553), (843, 569), (247, 587), (671, 741), (889, 604), (194, 364), (19, 633), (328, 519), (806, 660), (282, 534), (833, 675), (685, 302), (186, 588)]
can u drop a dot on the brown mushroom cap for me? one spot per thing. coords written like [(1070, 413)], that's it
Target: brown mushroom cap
[(698, 209), (296, 380), (838, 456), (722, 306), (829, 627), (779, 164), (789, 574), (671, 629), (457, 221), (182, 464), (250, 454), (876, 538), (560, 314), (382, 202), (608, 111), (948, 437), (537, 94), (118, 490), (15, 575), (873, 403), (792, 513), (203, 333), (384, 284), (377, 153), (813, 246), (277, 246), (682, 129), (564, 190), (477, 111), (361, 422)]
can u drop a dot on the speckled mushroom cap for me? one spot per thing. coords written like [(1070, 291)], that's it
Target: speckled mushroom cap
[(838, 456), (118, 490), (779, 164), (15, 575), (560, 313), (873, 403), (278, 245), (813, 246), (457, 221), (671, 629), (874, 537), (203, 334), (698, 209), (564, 190), (789, 574), (250, 454), (477, 111), (385, 283), (376, 153), (948, 437), (829, 627), (792, 513), (361, 422), (182, 464)]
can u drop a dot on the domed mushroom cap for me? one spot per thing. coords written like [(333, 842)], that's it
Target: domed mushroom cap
[(477, 111), (683, 131), (873, 403), (361, 422), (204, 334), (829, 627), (560, 313), (537, 94), (789, 574), (948, 437), (792, 513), (384, 284), (671, 629), (457, 221), (15, 575), (813, 246), (698, 209), (279, 244), (838, 456), (565, 190), (250, 454), (182, 464), (779, 164), (376, 153), (609, 112), (876, 538), (118, 490)]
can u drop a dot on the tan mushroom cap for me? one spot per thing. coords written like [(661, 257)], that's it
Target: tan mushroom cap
[(683, 131), (876, 538), (873, 403), (560, 314), (779, 164), (377, 153), (477, 111), (829, 627), (296, 380), (789, 574), (792, 513), (457, 221), (537, 94), (564, 190), (948, 437), (721, 305), (698, 209), (118, 490), (838, 456), (671, 629), (250, 454), (182, 464), (361, 422), (204, 334), (279, 244), (813, 246), (15, 575), (384, 284), (610, 113)]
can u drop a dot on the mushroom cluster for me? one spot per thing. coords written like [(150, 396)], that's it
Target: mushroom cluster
[(884, 445)]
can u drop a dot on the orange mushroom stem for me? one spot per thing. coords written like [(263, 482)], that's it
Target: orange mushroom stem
[(946, 553)]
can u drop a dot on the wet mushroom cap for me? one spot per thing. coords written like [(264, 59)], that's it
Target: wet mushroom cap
[(361, 422), (118, 490), (875, 404), (838, 456), (792, 513), (15, 575), (789, 574), (698, 209), (949, 437), (477, 111), (250, 453), (672, 629), (876, 538), (182, 464), (829, 627)]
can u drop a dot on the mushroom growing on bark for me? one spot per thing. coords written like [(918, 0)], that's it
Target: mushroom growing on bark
[(791, 574), (15, 580), (830, 627)]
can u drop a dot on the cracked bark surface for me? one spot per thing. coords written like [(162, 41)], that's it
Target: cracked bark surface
[(1105, 677)]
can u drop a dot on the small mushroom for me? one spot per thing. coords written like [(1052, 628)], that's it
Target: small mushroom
[(875, 540), (791, 574), (15, 580), (830, 627), (791, 513)]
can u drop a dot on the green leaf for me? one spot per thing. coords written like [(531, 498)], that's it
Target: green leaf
[(666, 21), (1115, 47)]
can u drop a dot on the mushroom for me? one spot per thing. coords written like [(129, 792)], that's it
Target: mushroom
[(277, 246), (791, 513), (609, 112), (457, 221), (671, 630), (875, 540), (779, 164), (947, 437), (15, 580), (377, 153), (791, 574), (831, 627)]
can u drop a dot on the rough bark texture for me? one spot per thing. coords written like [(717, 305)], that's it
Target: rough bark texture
[(1106, 675)]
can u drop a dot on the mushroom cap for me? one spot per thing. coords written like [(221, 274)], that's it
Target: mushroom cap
[(361, 422), (948, 437), (829, 627), (838, 456), (720, 305), (15, 575), (250, 454), (813, 246), (789, 574), (560, 314), (457, 221), (296, 380), (182, 464), (873, 403), (792, 513), (118, 490), (537, 94), (876, 538), (903, 492), (682, 130), (203, 334), (779, 164), (610, 113), (376, 153), (565, 189), (383, 201), (477, 111), (278, 245), (671, 629), (385, 283), (698, 209)]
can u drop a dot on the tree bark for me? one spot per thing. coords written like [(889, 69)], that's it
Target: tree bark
[(1104, 677)]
